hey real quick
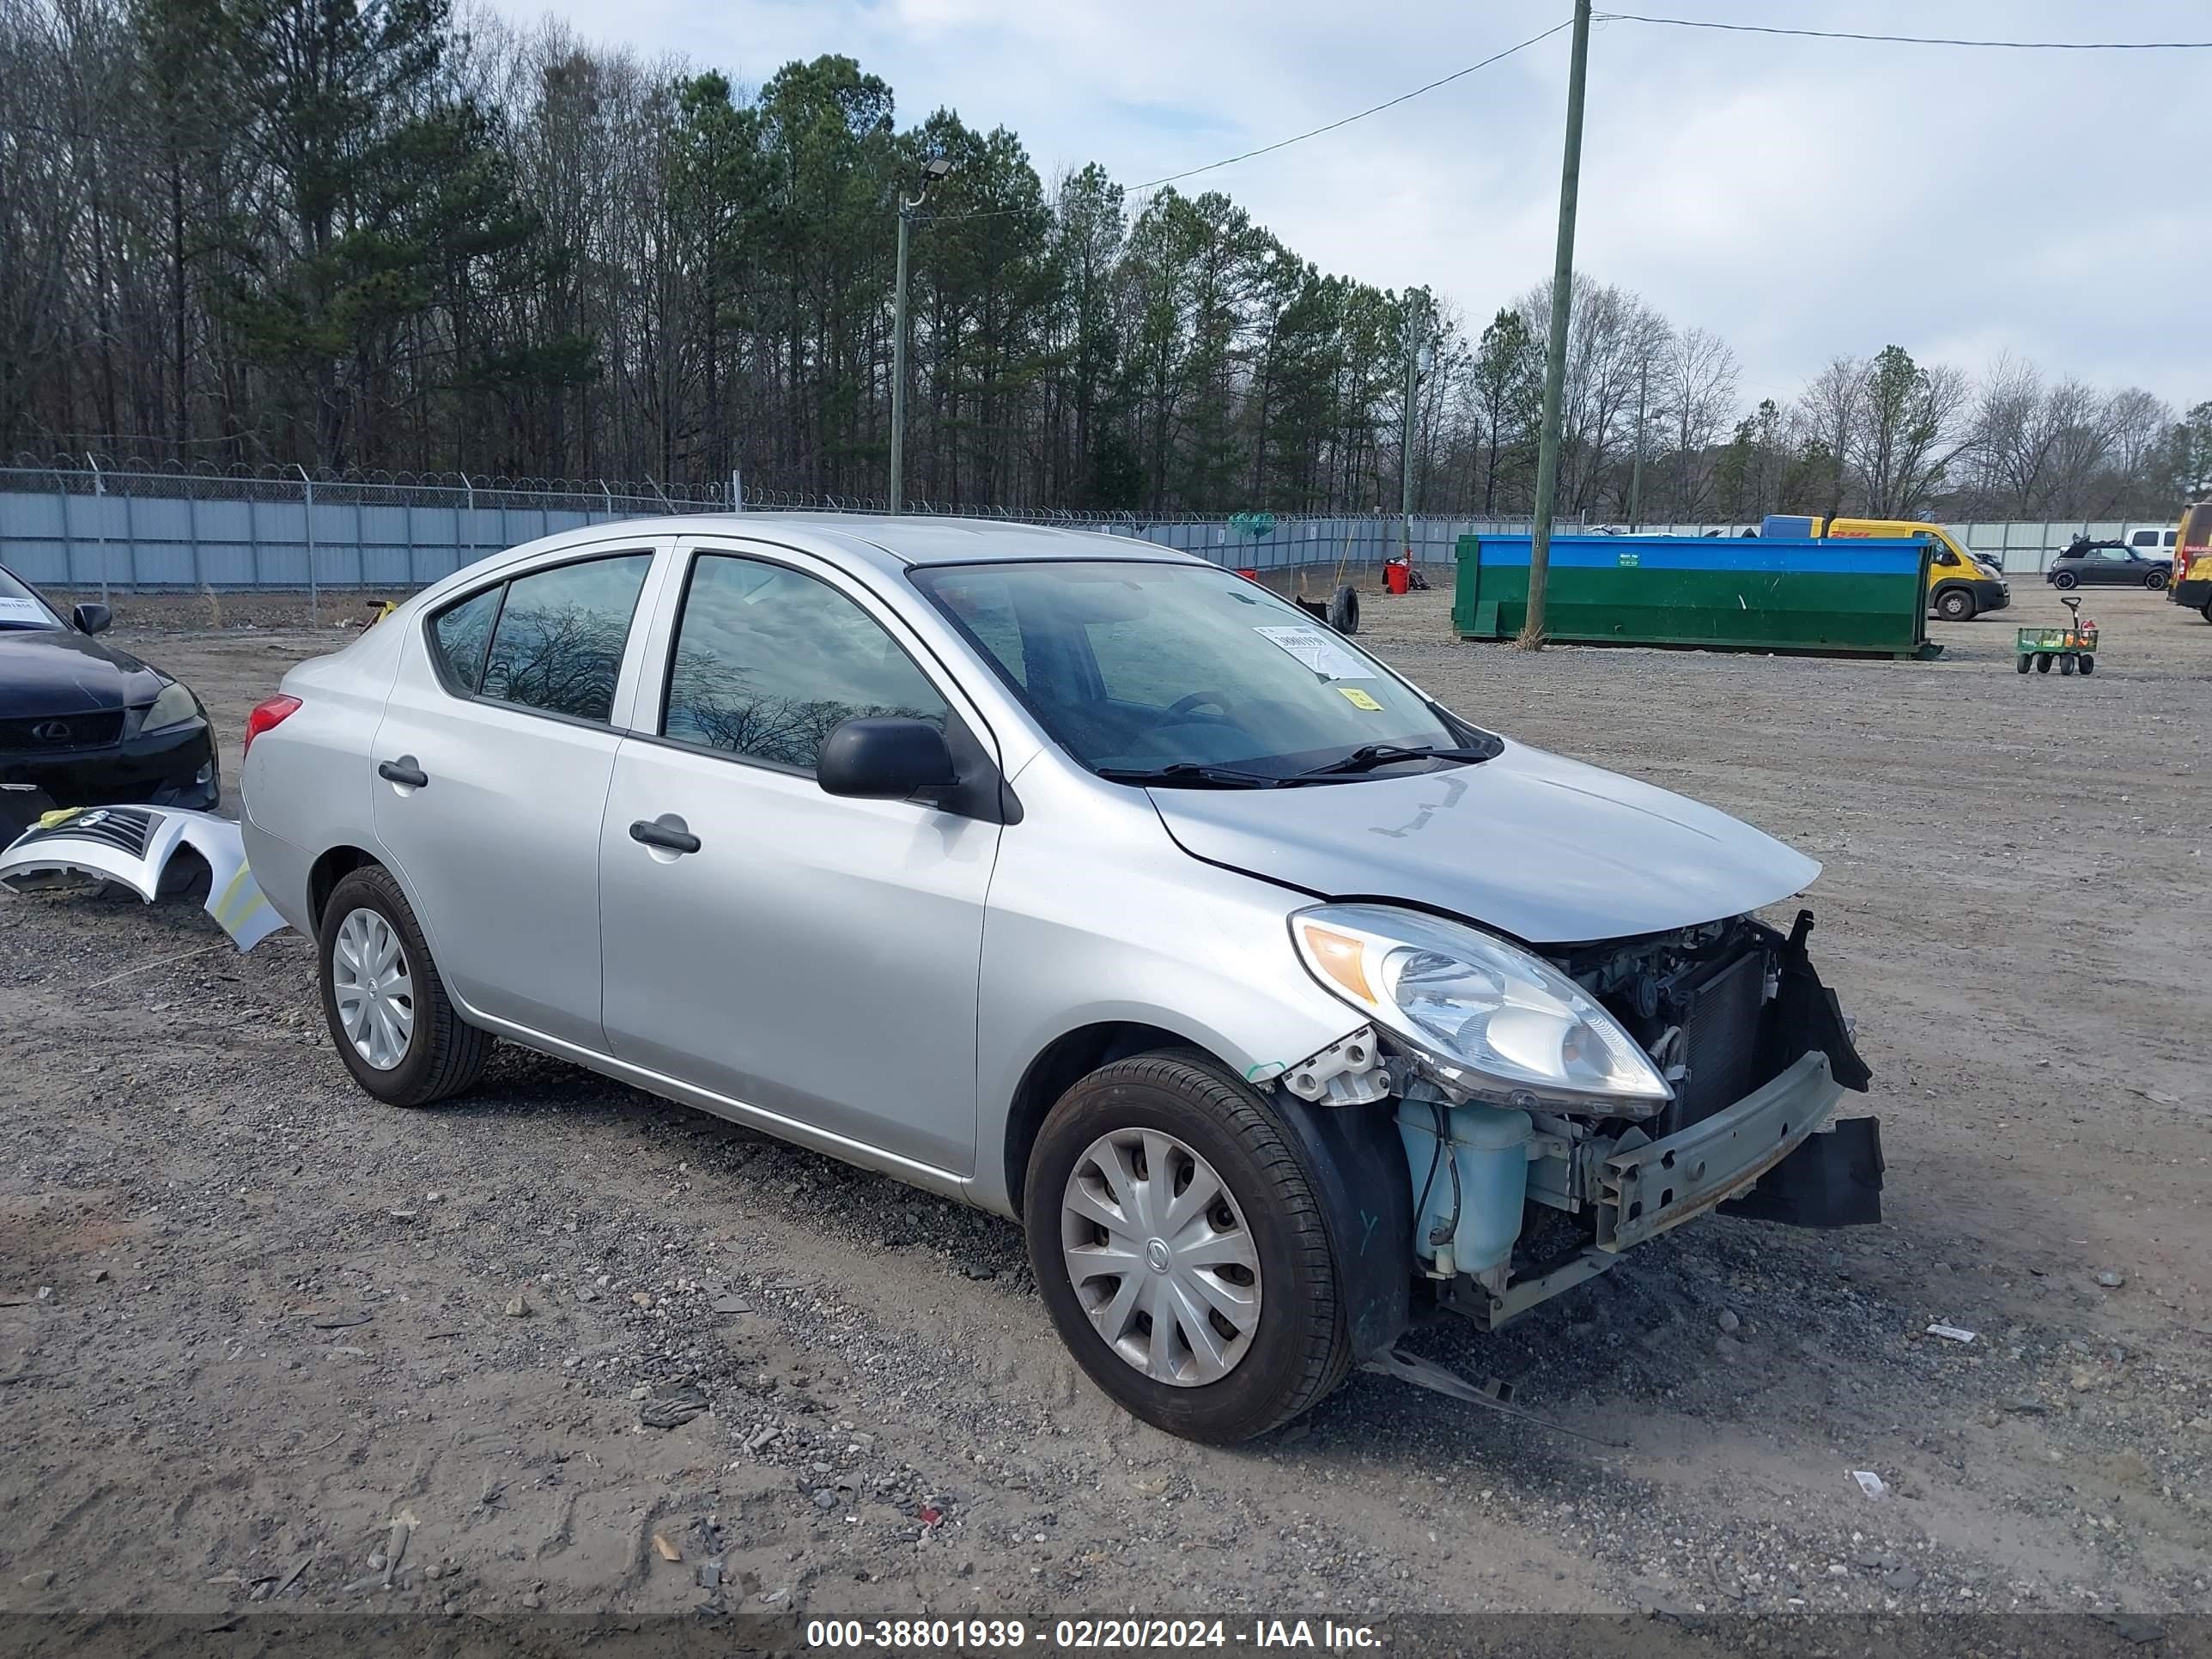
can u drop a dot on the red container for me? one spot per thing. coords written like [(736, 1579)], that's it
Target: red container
[(1249, 575), (1396, 575)]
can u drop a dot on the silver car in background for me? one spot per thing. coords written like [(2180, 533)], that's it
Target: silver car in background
[(1080, 880)]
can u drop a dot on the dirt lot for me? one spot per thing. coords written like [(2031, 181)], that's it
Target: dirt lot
[(247, 1317)]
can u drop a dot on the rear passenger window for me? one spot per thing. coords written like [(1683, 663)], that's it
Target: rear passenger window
[(558, 644), (769, 661), (459, 634)]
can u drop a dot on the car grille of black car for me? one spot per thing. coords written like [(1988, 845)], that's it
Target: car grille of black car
[(1721, 1044), (59, 734), (126, 829)]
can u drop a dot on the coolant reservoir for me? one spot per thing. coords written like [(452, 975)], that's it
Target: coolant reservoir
[(1490, 1147)]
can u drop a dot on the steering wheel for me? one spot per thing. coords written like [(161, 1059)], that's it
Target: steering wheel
[(1195, 700)]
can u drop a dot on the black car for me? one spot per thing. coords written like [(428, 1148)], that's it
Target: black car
[(2106, 564), (83, 724)]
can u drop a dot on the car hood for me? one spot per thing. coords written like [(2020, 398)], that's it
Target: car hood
[(1547, 849), (51, 671)]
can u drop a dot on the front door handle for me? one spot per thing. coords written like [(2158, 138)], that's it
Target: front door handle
[(650, 834), (402, 772)]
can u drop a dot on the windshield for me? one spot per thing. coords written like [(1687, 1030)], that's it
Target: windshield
[(21, 608), (1134, 668)]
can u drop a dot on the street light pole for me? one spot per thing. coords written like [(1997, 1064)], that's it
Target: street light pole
[(1555, 349), (1636, 475), (931, 171)]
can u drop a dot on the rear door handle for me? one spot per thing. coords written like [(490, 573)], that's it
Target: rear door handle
[(399, 772), (650, 834)]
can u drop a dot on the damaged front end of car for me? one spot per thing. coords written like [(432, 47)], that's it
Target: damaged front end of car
[(1559, 1107)]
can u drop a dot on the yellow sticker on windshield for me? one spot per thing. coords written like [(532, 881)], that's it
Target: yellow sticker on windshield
[(1358, 699)]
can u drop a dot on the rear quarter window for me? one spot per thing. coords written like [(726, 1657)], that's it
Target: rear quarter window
[(458, 636)]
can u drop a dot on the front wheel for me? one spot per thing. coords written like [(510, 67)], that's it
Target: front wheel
[(1955, 605), (2065, 579), (389, 1016), (2043, 662), (2066, 665), (1179, 1248), (2088, 664), (2027, 661)]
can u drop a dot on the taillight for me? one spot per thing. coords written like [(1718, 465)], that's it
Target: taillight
[(265, 716)]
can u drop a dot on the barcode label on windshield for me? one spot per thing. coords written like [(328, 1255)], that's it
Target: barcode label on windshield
[(1318, 651)]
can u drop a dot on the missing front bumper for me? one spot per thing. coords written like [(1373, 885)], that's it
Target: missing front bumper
[(1646, 1189)]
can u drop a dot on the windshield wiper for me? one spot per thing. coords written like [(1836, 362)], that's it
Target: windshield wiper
[(1368, 756), (1190, 774)]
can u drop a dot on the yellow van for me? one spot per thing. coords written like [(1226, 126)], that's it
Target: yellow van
[(1960, 586), (2192, 561)]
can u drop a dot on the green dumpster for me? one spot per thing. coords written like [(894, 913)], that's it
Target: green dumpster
[(1855, 597)]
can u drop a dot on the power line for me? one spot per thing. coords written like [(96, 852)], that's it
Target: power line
[(1909, 40), (1391, 103), (1296, 138)]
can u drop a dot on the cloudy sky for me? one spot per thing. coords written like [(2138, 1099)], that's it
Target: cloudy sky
[(1802, 198)]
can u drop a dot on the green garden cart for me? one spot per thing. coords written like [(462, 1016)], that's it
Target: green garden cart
[(2071, 646)]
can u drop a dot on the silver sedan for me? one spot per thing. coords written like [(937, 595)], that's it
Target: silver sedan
[(1080, 880)]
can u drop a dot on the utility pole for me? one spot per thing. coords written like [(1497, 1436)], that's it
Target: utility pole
[(1636, 475), (1415, 309), (1555, 349), (931, 171)]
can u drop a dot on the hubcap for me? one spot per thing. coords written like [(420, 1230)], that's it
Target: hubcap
[(373, 989), (1160, 1257)]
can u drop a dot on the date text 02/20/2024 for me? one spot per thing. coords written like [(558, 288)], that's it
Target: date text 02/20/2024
[(1086, 1634)]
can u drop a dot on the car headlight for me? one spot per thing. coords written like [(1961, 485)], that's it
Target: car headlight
[(1503, 1025), (175, 706)]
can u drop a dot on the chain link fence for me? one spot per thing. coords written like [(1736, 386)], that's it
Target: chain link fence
[(100, 527)]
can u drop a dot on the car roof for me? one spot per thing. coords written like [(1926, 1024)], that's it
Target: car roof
[(888, 543)]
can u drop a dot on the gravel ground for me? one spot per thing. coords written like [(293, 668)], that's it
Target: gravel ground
[(249, 1319)]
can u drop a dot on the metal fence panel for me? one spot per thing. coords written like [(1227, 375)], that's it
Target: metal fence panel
[(79, 529)]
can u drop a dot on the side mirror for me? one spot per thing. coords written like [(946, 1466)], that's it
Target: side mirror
[(885, 760), (92, 618)]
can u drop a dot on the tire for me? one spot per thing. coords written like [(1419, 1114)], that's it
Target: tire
[(442, 1055), (2065, 665), (2065, 579), (1955, 605), (1344, 609), (2025, 661), (1297, 1348), (2088, 664), (2206, 610), (2043, 662), (2155, 581)]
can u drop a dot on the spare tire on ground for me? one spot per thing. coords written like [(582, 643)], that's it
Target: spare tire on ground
[(1344, 609)]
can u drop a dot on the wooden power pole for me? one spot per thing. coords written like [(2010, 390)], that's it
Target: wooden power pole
[(1555, 349)]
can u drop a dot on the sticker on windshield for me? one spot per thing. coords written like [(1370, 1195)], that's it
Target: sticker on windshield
[(1318, 651), (14, 610), (1358, 699)]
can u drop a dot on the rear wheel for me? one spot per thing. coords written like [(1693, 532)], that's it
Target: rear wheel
[(2025, 661), (2155, 581), (2065, 579), (2066, 665), (1179, 1248), (2043, 662), (1955, 605), (389, 1016), (2088, 664)]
